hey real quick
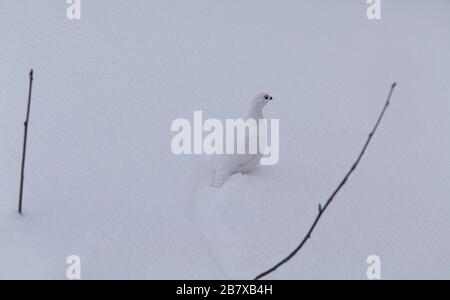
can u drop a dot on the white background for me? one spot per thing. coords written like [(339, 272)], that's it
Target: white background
[(101, 179)]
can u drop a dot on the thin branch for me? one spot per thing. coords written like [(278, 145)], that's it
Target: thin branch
[(25, 135), (336, 191)]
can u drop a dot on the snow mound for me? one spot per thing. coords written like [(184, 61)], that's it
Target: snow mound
[(239, 226)]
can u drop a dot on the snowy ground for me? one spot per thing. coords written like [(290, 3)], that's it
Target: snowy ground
[(102, 182)]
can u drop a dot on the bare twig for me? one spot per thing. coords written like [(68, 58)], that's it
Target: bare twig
[(336, 191), (22, 177)]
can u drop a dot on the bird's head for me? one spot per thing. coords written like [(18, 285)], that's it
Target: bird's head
[(258, 104), (262, 99)]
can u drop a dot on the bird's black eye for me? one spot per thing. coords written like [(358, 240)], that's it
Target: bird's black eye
[(266, 97)]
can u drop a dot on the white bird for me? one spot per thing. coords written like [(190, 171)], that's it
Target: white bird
[(226, 165)]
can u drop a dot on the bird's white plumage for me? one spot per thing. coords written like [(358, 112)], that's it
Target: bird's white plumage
[(228, 164)]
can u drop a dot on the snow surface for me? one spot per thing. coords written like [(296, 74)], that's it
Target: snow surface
[(102, 182)]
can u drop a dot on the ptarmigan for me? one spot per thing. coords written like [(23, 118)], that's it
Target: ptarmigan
[(226, 165)]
